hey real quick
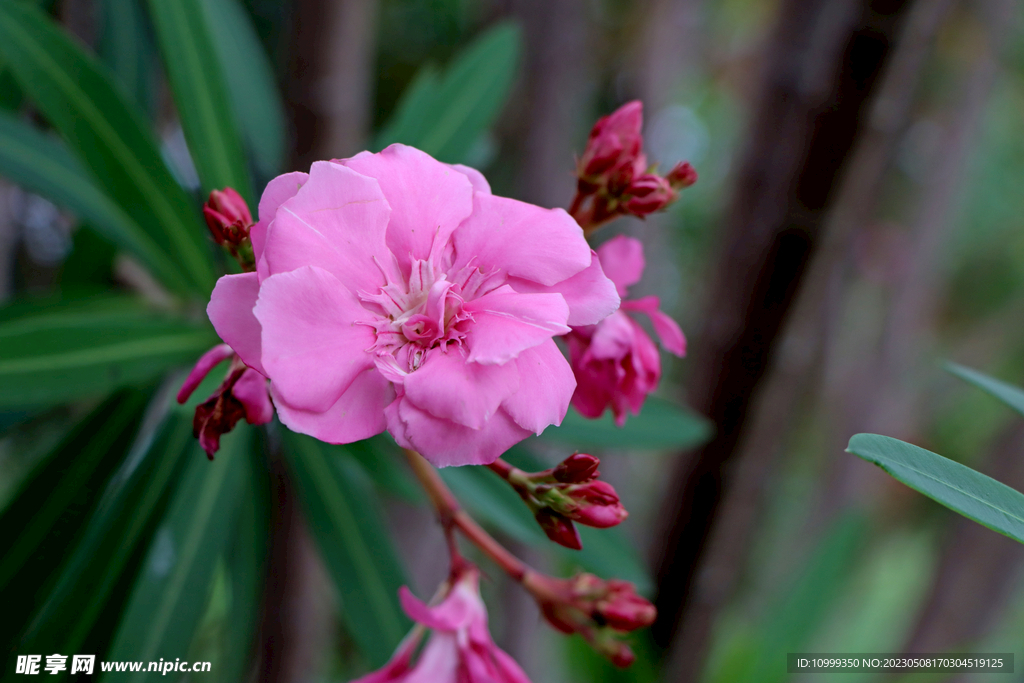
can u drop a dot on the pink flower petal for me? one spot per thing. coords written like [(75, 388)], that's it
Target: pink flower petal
[(278, 191), (523, 240), (314, 345), (208, 361), (336, 221), (445, 443), (230, 311), (449, 387), (428, 199), (357, 415), (454, 612), (590, 294), (668, 330), (477, 178), (546, 384), (251, 390), (507, 323), (622, 259), (439, 662)]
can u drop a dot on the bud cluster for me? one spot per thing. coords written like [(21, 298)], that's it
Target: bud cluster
[(601, 611), (565, 494), (613, 177), (228, 217)]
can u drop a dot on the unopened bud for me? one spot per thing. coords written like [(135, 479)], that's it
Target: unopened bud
[(228, 217), (682, 175), (624, 610), (596, 505), (648, 193), (559, 528), (576, 469), (621, 656)]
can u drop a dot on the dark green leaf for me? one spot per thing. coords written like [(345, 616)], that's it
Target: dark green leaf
[(87, 349), (106, 132), (1007, 393), (173, 586), (126, 47), (959, 488), (51, 507), (87, 600), (201, 94), (445, 116), (382, 459), (43, 165), (10, 94), (660, 425), (346, 522), (255, 97)]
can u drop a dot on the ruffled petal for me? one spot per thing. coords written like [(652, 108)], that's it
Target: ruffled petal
[(439, 662), (231, 312), (622, 259), (449, 387), (445, 443), (506, 323), (279, 190), (336, 221), (251, 390), (546, 384), (591, 296), (477, 178), (452, 614), (315, 337), (357, 415), (668, 330), (522, 240), (428, 199)]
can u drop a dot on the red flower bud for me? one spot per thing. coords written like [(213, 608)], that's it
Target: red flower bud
[(624, 610), (576, 469), (682, 175), (227, 215), (597, 505), (559, 528), (648, 193), (621, 656), (614, 141)]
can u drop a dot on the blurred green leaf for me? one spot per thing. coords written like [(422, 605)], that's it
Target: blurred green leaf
[(1007, 393), (107, 132), (346, 521), (200, 88), (606, 552), (972, 494), (126, 47), (54, 503), (85, 349), (255, 97), (10, 94), (660, 425), (43, 165), (171, 590), (444, 115), (382, 459), (88, 598)]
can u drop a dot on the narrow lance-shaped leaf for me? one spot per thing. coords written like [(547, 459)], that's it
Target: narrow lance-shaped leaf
[(43, 165), (173, 586), (201, 94), (126, 47), (107, 133), (1007, 393), (77, 350), (346, 522), (959, 488)]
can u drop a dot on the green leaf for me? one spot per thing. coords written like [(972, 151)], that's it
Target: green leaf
[(606, 552), (255, 97), (660, 425), (88, 598), (10, 94), (126, 48), (1007, 393), (345, 520), (959, 488), (85, 349), (106, 132), (43, 165), (201, 94), (52, 506), (173, 586), (444, 116)]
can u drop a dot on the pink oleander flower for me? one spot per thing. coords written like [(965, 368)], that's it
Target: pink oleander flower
[(616, 364), (460, 649), (243, 393), (395, 292)]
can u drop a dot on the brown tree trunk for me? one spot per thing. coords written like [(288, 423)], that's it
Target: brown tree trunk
[(820, 70)]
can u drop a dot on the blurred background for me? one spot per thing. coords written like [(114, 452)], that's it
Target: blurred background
[(859, 221)]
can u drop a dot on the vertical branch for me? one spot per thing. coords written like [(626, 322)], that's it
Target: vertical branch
[(820, 70)]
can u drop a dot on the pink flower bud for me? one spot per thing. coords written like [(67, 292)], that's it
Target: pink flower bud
[(227, 215), (614, 141), (576, 469), (624, 610), (559, 528), (597, 505), (682, 175), (648, 193)]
